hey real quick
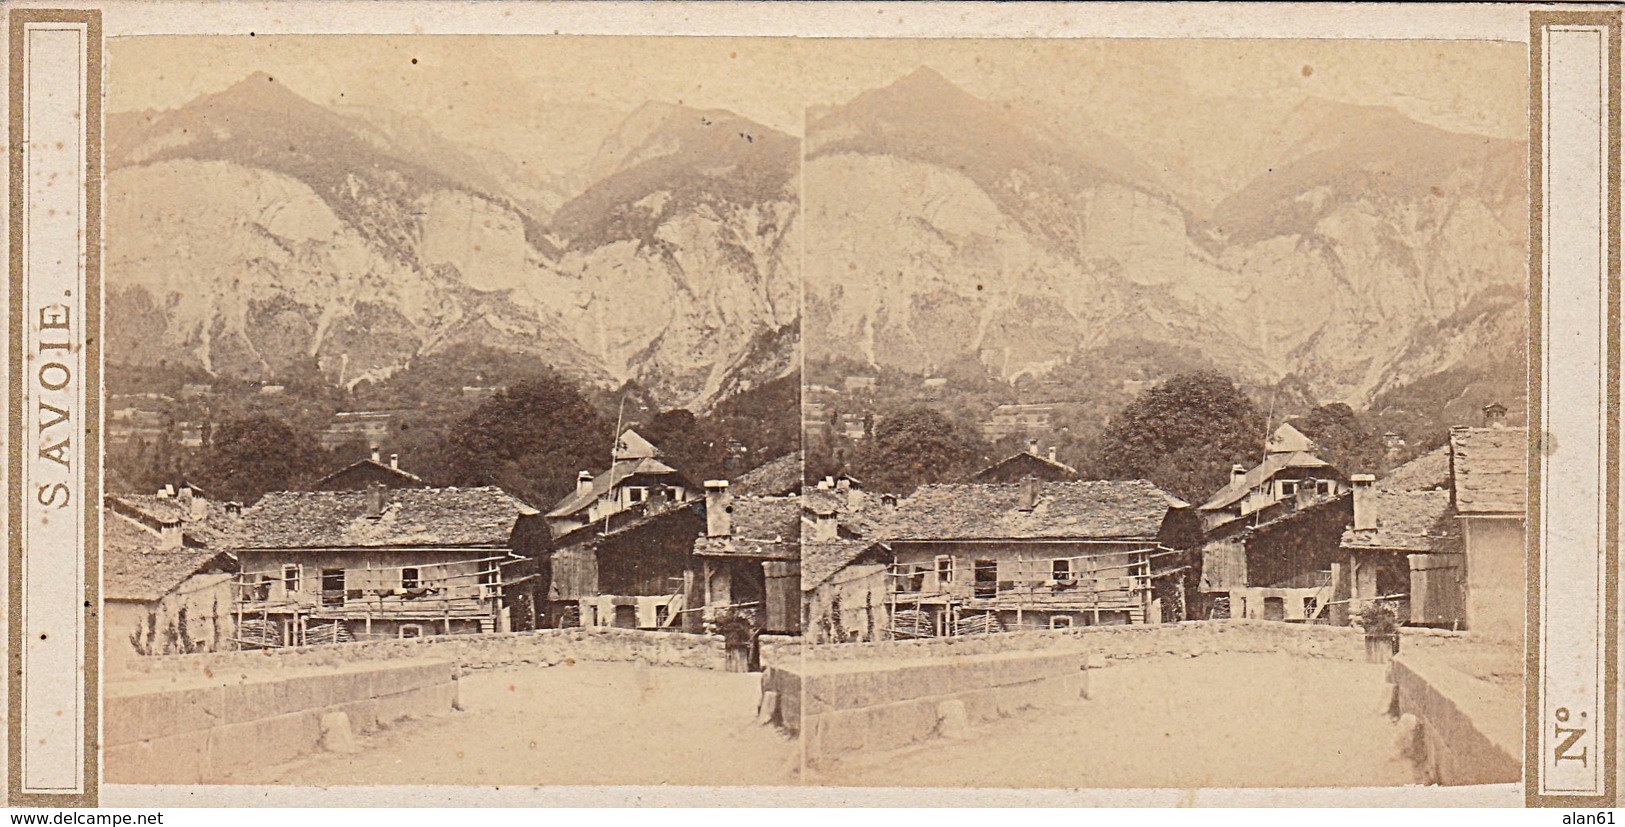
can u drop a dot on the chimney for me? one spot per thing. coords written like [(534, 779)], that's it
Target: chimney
[(1052, 453), (375, 500), (395, 461), (888, 501), (1237, 472), (1495, 415), (375, 455), (826, 528), (1032, 447), (718, 509), (1365, 502), (166, 492), (583, 481), (854, 498), (170, 535), (842, 484), (234, 509), (200, 506), (1029, 493), (826, 483)]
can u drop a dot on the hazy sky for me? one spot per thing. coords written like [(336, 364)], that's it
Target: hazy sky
[(530, 95)]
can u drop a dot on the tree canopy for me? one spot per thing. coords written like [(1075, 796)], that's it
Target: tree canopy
[(531, 439), (256, 454), (1341, 439), (1183, 435), (914, 447)]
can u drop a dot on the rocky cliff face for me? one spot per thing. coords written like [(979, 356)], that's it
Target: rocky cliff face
[(1374, 251), (260, 235)]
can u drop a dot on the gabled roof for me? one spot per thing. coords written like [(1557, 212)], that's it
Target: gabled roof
[(778, 478), (618, 473), (1272, 465), (1027, 458), (1098, 509), (1287, 440), (1428, 472), (820, 561), (632, 445), (405, 477), (412, 517), (1491, 469), (135, 566), (762, 528)]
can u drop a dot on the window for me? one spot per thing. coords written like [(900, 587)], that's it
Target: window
[(945, 570), (636, 495), (1060, 621), (411, 630), (1289, 488), (662, 614), (986, 573), (1061, 571), (290, 578), (409, 578), (332, 587)]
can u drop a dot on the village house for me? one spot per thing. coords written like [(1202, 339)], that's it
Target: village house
[(1404, 546), (326, 566), (369, 428), (1024, 464), (1271, 535), (986, 557), (1490, 469), (1018, 420), (636, 476), (359, 475), (750, 557), (165, 590), (844, 569)]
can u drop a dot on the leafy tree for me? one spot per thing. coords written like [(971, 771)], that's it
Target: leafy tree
[(1341, 439), (1183, 435), (256, 454), (531, 439), (690, 443), (915, 447)]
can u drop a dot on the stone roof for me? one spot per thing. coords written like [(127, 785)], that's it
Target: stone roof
[(1098, 509), (1413, 509), (136, 566), (820, 561), (777, 478), (1273, 464), (762, 527), (412, 517), (621, 471), (214, 528), (1491, 469)]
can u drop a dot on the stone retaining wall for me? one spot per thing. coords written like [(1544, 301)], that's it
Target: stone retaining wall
[(198, 731), (1188, 639), (1471, 730), (544, 647), (842, 706)]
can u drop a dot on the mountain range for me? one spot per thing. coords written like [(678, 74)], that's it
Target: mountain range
[(1370, 252), (258, 235)]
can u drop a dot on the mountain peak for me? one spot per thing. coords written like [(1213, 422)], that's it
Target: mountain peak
[(259, 90)]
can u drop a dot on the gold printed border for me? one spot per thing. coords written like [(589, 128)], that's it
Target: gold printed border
[(1608, 705), (91, 288)]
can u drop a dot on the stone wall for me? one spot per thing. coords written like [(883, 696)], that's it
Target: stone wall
[(199, 730), (544, 647), (1188, 639), (842, 706), (1471, 730)]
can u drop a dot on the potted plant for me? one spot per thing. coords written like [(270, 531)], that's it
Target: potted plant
[(1381, 627)]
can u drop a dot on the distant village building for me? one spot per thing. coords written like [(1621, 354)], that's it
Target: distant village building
[(1404, 546), (131, 425), (1490, 467), (327, 566), (359, 475), (934, 382), (636, 476), (859, 383), (197, 389), (854, 426), (1028, 463), (272, 390), (1271, 535), (191, 434), (480, 393), (1033, 555), (1018, 421), (369, 428)]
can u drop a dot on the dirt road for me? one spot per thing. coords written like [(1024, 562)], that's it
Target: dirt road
[(1215, 721)]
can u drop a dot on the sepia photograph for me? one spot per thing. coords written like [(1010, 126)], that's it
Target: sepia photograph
[(1101, 411)]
